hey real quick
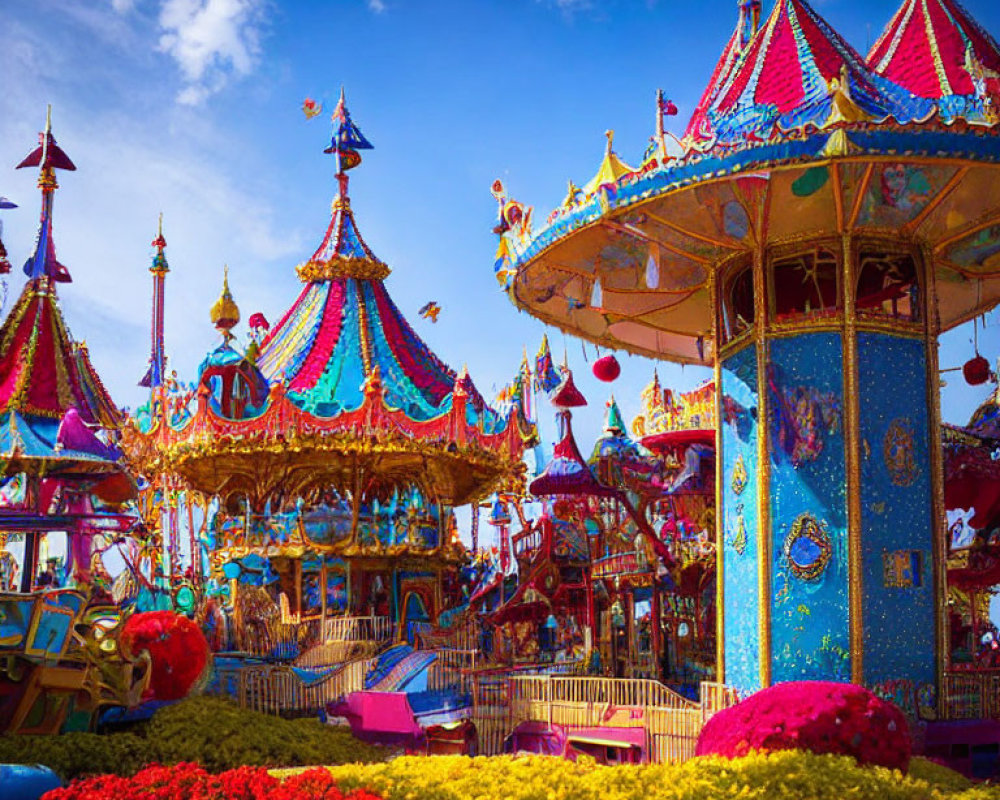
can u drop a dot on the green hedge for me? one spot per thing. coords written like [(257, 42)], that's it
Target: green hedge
[(209, 730)]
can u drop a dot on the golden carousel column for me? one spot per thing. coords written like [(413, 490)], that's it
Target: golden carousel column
[(852, 456), (720, 527), (764, 557), (939, 549)]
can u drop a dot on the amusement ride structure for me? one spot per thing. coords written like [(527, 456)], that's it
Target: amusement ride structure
[(803, 514), (62, 476), (337, 444), (822, 220)]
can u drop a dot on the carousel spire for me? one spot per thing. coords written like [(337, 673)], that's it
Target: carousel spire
[(48, 156), (343, 252), (159, 269)]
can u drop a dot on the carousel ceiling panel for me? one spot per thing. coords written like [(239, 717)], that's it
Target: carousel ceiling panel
[(961, 298), (691, 315), (854, 177), (636, 304), (898, 193), (643, 267), (970, 201), (802, 200), (977, 253), (647, 340), (660, 233), (711, 213)]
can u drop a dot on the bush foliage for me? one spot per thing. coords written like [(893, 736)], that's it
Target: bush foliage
[(784, 775), (212, 731)]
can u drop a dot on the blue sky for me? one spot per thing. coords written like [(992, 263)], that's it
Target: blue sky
[(191, 107)]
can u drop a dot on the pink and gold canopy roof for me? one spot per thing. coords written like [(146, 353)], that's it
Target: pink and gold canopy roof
[(795, 138), (356, 400), (45, 375), (936, 50)]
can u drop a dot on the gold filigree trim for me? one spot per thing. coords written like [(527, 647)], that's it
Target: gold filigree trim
[(362, 269)]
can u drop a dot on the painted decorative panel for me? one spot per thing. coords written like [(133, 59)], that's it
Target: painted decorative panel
[(896, 511), (810, 630), (740, 519)]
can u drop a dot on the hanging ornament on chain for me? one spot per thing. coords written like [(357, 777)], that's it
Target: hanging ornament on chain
[(977, 369), (607, 368)]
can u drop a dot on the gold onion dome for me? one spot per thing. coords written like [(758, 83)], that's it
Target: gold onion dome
[(225, 314)]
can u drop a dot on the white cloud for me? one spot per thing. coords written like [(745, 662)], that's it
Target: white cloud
[(210, 40), (378, 6), (122, 6)]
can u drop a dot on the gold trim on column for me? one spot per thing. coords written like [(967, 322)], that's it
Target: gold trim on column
[(720, 526), (763, 469), (939, 540), (852, 466)]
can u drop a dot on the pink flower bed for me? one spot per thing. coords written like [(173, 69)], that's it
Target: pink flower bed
[(821, 717)]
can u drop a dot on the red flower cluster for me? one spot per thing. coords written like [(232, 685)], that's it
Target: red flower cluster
[(193, 783), (821, 717)]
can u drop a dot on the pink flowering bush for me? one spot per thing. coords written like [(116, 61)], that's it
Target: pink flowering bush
[(821, 717)]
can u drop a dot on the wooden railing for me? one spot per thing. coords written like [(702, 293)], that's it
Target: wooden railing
[(355, 629), (452, 670), (332, 653), (971, 695), (672, 722), (273, 640), (276, 689), (715, 697)]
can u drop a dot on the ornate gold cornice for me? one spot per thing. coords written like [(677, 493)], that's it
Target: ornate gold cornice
[(338, 267)]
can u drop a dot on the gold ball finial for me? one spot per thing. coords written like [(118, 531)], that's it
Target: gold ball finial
[(225, 314)]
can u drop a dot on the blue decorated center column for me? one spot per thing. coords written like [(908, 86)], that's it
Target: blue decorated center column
[(828, 377)]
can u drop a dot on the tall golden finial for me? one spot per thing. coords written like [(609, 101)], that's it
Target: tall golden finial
[(225, 314)]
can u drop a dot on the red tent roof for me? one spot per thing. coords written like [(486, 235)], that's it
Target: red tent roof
[(930, 47), (786, 76), (42, 373), (699, 127)]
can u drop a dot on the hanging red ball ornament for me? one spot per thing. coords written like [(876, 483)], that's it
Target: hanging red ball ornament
[(607, 369), (976, 370)]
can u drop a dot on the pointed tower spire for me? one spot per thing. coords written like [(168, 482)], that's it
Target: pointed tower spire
[(225, 314), (48, 156), (159, 269), (343, 252), (613, 422)]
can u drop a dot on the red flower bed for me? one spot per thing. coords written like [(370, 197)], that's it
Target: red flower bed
[(193, 783), (821, 717)]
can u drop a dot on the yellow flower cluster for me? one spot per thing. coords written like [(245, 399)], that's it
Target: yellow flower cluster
[(788, 775)]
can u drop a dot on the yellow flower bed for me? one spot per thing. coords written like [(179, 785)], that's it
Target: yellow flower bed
[(792, 775)]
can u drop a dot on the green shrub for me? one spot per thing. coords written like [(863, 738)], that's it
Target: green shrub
[(219, 735), (211, 731)]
